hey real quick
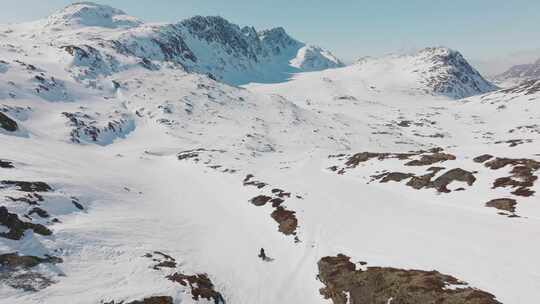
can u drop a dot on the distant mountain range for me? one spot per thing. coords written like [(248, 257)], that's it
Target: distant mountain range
[(209, 45), (519, 73)]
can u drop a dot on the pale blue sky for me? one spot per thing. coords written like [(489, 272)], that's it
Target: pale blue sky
[(480, 29)]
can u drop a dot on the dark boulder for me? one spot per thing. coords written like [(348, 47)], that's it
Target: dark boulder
[(17, 227), (7, 123)]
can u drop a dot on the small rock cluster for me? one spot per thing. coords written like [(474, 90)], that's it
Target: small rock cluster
[(288, 223)]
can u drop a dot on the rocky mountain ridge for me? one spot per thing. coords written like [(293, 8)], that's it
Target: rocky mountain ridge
[(209, 45)]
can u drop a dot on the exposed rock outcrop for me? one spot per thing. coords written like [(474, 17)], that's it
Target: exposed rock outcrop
[(383, 285)]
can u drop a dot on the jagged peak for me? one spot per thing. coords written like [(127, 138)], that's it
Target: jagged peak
[(442, 55), (276, 35), (315, 58), (91, 14), (250, 32), (438, 50), (278, 31), (208, 21)]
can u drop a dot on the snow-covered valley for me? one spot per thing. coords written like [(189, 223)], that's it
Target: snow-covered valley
[(151, 163)]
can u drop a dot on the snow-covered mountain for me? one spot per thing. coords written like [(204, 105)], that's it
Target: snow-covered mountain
[(518, 74), (84, 14), (446, 72), (99, 36), (131, 171), (430, 71), (434, 70)]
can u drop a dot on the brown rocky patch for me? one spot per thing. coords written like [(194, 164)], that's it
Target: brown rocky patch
[(522, 176), (287, 220), (430, 159), (14, 260), (260, 200), (248, 181), (425, 181), (358, 158), (419, 182), (382, 285), (276, 202), (482, 158), (393, 176), (435, 170), (281, 193), (201, 286), (457, 174), (501, 162), (505, 204), (162, 260)]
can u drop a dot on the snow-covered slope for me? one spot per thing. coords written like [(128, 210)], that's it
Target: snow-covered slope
[(519, 73), (127, 177)]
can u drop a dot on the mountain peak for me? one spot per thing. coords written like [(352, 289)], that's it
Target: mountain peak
[(438, 50), (276, 36), (451, 74), (314, 58), (441, 54), (82, 14), (438, 70)]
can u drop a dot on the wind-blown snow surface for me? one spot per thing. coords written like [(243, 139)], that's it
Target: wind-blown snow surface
[(157, 157)]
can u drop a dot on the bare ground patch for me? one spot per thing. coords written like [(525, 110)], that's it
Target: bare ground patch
[(344, 283)]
